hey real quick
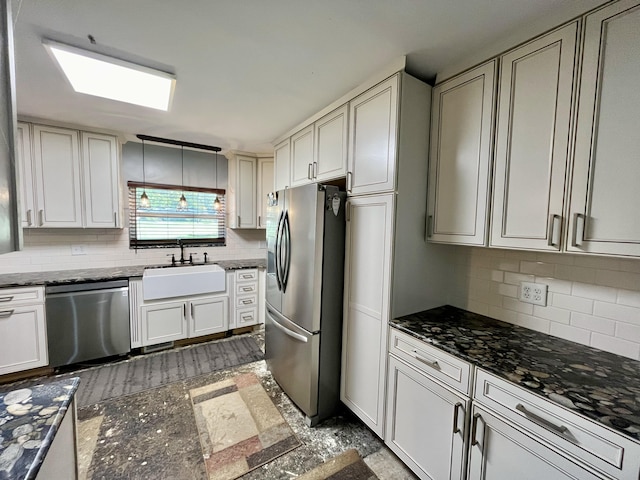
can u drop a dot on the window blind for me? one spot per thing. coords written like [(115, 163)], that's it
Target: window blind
[(163, 222)]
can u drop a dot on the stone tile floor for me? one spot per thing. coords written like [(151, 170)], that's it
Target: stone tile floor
[(153, 435)]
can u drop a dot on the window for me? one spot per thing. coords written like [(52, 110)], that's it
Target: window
[(163, 223)]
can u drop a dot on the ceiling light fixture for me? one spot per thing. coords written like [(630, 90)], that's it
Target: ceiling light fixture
[(217, 205), (144, 199), (108, 77), (182, 203)]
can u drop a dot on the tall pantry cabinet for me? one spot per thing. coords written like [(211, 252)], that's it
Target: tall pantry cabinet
[(389, 269)]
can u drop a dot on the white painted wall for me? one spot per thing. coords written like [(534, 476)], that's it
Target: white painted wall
[(592, 300)]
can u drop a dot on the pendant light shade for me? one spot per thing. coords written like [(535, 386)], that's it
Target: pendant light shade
[(182, 203), (144, 198), (217, 204)]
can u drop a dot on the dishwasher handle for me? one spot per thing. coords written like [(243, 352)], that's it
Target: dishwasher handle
[(86, 286)]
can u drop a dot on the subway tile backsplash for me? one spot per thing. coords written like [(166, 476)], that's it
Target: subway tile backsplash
[(591, 300), (48, 249)]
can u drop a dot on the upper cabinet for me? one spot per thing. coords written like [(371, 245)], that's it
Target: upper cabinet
[(250, 180), (265, 186), (603, 214), (532, 141), (56, 161), (101, 180), (460, 157), (68, 178), (25, 175), (373, 125), (302, 157), (330, 150), (281, 167), (318, 151)]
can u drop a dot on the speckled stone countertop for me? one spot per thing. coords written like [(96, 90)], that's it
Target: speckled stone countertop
[(29, 419), (99, 274), (600, 385)]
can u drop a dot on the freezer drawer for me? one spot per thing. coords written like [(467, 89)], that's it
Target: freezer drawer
[(292, 355)]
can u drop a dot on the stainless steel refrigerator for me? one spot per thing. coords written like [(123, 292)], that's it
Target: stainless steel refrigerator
[(303, 326)]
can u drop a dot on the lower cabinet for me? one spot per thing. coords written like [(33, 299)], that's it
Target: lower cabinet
[(501, 431), (167, 320), (426, 423), (163, 322), (501, 450), (23, 330)]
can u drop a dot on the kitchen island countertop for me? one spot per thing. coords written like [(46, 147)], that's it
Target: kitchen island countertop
[(100, 274), (599, 385), (29, 420)]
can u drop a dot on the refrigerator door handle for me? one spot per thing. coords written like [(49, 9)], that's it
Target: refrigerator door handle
[(285, 330), (278, 246), (286, 230)]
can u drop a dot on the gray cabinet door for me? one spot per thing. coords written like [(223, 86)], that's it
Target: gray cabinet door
[(532, 141), (606, 173), (460, 157)]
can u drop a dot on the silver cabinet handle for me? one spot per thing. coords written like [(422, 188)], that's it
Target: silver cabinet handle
[(309, 173), (41, 214), (247, 317), (349, 182), (238, 220), (247, 289), (259, 220), (456, 409), (474, 428), (432, 364), (541, 421), (193, 312), (247, 275), (578, 220), (554, 230), (184, 310), (429, 226), (315, 169), (348, 212), (115, 219), (29, 217), (6, 313), (6, 299), (246, 301)]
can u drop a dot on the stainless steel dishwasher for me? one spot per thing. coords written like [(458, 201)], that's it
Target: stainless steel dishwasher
[(86, 321)]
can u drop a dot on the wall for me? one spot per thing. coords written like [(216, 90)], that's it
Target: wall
[(592, 300)]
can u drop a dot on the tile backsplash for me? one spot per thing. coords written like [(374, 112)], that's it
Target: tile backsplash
[(591, 300), (49, 249)]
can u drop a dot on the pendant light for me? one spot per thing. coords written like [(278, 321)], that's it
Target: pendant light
[(217, 204), (144, 199), (182, 203)]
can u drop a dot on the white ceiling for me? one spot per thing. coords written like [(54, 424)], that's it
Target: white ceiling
[(249, 70)]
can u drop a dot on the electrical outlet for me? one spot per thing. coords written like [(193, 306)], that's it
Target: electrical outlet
[(535, 293), (78, 250)]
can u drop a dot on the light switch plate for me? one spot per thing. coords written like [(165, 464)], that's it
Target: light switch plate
[(535, 293)]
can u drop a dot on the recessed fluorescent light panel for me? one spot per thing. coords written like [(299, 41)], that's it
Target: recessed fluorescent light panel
[(96, 74)]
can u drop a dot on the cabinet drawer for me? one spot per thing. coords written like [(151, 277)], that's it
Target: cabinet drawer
[(246, 301), (21, 296), (246, 275), (246, 288), (565, 430), (432, 361), (246, 316)]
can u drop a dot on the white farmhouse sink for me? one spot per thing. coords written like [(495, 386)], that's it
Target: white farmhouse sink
[(181, 281)]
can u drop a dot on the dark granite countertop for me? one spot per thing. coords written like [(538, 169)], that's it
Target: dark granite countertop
[(29, 419), (599, 385), (98, 274)]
